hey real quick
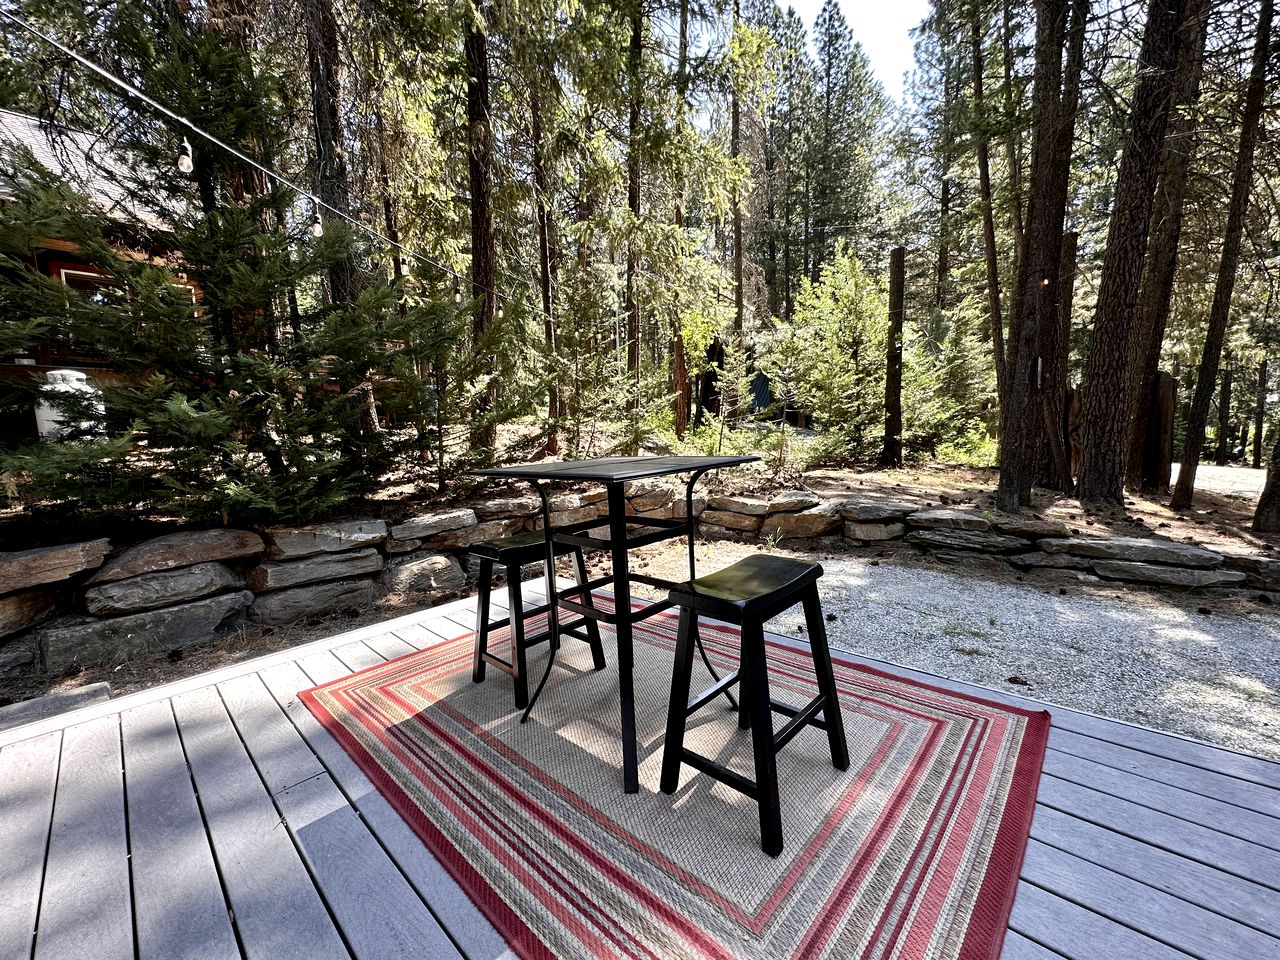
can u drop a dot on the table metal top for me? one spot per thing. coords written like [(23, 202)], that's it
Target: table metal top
[(611, 469)]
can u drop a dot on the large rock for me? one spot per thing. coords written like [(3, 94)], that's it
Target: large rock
[(811, 523), (274, 575), (293, 543), (748, 506), (1051, 561), (650, 500), (948, 520), (1031, 528), (793, 501), (436, 572), (392, 545), (1265, 570), (1136, 550), (874, 531), (163, 588), (966, 540), (1171, 576), (732, 520), (971, 561), (17, 657), (19, 611), (315, 600), (876, 511), (430, 524), (184, 549), (30, 568), (490, 530), (93, 642), (498, 508), (678, 506)]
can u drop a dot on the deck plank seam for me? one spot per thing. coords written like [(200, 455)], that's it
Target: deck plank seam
[(208, 834), (1109, 919), (1131, 745), (1136, 799), (1079, 815), (1102, 762), (128, 839), (48, 839), (1163, 810), (1210, 908), (282, 819), (373, 834)]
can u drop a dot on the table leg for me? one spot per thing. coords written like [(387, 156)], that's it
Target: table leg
[(626, 660), (553, 611), (693, 575)]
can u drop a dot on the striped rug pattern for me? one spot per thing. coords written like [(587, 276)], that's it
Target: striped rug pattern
[(913, 852)]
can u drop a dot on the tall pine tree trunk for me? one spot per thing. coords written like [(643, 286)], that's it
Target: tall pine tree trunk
[(681, 383), (1223, 451), (991, 253), (1035, 330), (634, 51), (1220, 310), (1156, 294), (1259, 414), (546, 265), (735, 150), (1109, 374), (891, 452), (480, 182), (1266, 519)]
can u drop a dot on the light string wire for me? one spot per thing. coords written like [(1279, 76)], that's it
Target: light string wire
[(138, 94)]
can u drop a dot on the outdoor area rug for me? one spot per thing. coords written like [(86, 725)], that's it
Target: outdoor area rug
[(913, 852)]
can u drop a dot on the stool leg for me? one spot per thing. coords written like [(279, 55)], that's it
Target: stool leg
[(678, 704), (756, 695), (593, 628), (482, 620), (515, 603), (826, 679), (744, 714)]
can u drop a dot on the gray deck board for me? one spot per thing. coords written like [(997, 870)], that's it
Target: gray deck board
[(453, 909), (28, 776), (1144, 846), (380, 915), (85, 907), (179, 908), (276, 906)]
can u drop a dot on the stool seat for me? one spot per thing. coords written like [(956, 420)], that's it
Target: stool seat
[(519, 549), (750, 588)]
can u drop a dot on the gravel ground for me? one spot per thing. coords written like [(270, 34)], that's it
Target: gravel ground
[(1146, 658)]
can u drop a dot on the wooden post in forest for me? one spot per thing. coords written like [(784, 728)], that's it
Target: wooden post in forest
[(1259, 413), (891, 455)]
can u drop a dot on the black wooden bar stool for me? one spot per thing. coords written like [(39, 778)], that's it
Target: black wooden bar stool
[(748, 593), (515, 552)]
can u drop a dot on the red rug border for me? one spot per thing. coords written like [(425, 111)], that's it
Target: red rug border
[(984, 937)]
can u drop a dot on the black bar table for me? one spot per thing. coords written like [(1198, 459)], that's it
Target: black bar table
[(614, 473)]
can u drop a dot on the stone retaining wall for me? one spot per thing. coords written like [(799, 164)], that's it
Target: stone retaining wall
[(87, 603)]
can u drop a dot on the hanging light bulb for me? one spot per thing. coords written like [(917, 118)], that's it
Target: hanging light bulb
[(185, 162), (457, 294), (501, 312), (317, 225)]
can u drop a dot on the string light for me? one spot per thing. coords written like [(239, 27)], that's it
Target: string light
[(501, 312), (457, 294), (317, 225), (185, 162)]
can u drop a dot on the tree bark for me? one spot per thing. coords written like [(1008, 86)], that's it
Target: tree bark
[(1223, 451), (1220, 310), (1059, 53), (681, 384), (991, 253), (480, 182), (1109, 374), (1056, 464), (1259, 414), (1156, 293), (634, 51), (735, 150), (1266, 519), (891, 453), (546, 264)]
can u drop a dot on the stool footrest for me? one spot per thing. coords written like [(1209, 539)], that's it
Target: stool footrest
[(800, 719), (494, 660), (709, 694), (726, 776)]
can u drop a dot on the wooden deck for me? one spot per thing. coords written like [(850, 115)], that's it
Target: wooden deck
[(214, 818)]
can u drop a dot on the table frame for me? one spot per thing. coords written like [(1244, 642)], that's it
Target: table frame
[(623, 618)]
